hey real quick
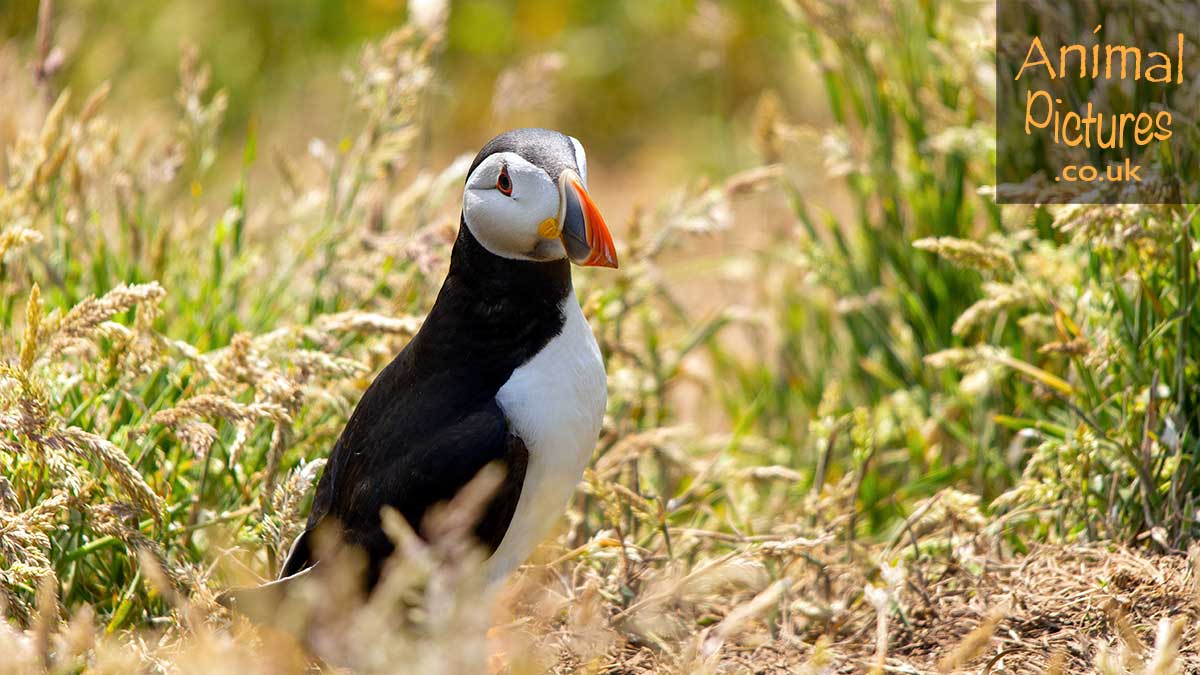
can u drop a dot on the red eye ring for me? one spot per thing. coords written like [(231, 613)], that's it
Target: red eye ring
[(503, 182)]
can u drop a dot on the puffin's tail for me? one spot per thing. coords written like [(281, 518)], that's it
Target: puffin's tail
[(261, 603)]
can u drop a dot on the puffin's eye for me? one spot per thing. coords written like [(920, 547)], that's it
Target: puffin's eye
[(503, 182)]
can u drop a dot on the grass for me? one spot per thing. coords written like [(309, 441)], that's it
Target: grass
[(939, 416)]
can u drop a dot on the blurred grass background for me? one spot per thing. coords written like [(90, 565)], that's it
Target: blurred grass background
[(664, 85)]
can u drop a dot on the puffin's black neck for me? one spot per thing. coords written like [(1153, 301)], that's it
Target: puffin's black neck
[(492, 313), (491, 276)]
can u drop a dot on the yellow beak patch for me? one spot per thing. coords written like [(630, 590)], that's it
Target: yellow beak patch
[(548, 229)]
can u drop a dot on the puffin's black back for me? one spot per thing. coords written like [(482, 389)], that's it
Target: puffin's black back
[(429, 422)]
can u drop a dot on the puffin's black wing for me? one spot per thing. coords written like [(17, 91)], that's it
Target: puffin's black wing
[(414, 441)]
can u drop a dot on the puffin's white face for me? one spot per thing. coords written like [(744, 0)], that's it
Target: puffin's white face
[(505, 202), (516, 210)]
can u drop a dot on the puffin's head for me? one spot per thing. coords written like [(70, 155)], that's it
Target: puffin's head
[(526, 198)]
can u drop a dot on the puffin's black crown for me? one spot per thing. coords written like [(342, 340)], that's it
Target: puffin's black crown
[(549, 150)]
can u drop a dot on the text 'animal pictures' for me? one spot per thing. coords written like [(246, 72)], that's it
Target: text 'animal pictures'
[(1087, 105)]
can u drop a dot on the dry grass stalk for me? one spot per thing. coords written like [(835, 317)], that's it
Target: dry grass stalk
[(1164, 660), (104, 453), (15, 237), (214, 405), (998, 298), (33, 324), (85, 317), (47, 619), (968, 253), (973, 645), (711, 641)]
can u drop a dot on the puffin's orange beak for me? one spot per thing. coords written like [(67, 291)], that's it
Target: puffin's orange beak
[(584, 234)]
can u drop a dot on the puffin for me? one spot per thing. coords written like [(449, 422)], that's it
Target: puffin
[(504, 370)]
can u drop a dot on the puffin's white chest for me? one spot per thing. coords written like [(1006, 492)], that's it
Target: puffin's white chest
[(555, 404)]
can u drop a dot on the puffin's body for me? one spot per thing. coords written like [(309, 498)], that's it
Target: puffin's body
[(504, 369)]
